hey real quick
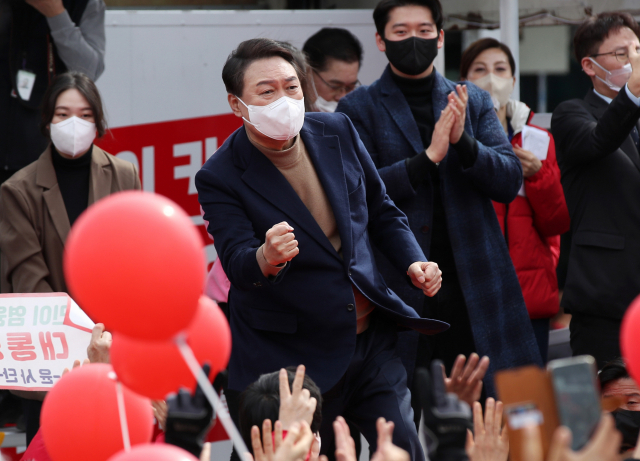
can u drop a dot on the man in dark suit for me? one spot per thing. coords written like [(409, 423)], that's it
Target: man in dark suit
[(314, 298), (597, 144), (443, 156)]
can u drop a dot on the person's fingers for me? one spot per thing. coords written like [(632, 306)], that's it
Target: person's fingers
[(560, 443), (489, 410), (76, 364), (106, 336), (267, 437), (278, 435), (497, 422), (470, 366), (86, 362), (480, 370), (305, 394), (605, 433), (458, 366), (416, 273), (65, 371), (205, 455), (313, 404), (478, 423), (256, 443), (323, 458), (339, 435), (298, 380), (285, 391), (249, 457), (470, 443), (531, 448)]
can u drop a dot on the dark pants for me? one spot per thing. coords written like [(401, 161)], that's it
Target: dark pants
[(595, 336), (374, 385), (541, 331)]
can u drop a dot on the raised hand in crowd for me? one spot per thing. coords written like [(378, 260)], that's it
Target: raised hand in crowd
[(280, 244), (189, 418), (386, 450), (439, 146), (489, 440), (206, 452), (530, 163), (445, 418), (603, 446), (296, 403), (345, 445), (427, 276), (98, 349), (76, 364), (273, 447), (48, 8), (160, 410), (466, 377), (458, 100)]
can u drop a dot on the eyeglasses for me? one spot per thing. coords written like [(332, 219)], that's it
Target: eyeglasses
[(339, 88), (621, 54)]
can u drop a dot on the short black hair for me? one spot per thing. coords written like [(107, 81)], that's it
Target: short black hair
[(476, 48), (335, 43), (72, 80), (612, 371), (248, 52), (383, 9), (596, 29), (261, 400)]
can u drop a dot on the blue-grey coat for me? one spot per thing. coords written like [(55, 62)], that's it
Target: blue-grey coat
[(499, 319)]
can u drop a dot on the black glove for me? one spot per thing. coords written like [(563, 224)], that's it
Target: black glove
[(189, 419), (445, 418)]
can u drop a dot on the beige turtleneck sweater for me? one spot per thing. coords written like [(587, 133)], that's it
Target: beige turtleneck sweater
[(296, 166)]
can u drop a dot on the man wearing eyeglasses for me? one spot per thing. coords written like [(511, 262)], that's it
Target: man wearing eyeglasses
[(335, 56), (598, 153)]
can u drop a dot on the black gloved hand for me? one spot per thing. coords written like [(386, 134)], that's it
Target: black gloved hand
[(189, 418), (445, 418)]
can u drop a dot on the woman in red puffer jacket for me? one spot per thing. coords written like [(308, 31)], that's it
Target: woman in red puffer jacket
[(533, 222)]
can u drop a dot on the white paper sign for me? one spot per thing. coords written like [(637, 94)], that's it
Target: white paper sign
[(41, 334), (537, 142), (25, 82)]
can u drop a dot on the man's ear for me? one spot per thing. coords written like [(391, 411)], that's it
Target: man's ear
[(587, 67), (441, 39), (380, 42), (234, 104)]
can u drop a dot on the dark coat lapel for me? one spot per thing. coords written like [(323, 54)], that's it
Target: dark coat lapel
[(598, 107), (394, 101), (264, 178), (326, 156), (46, 178)]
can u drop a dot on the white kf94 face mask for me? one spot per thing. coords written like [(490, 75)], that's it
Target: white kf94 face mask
[(281, 120), (72, 136), (615, 79)]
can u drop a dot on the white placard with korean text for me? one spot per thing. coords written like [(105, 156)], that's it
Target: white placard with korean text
[(41, 334)]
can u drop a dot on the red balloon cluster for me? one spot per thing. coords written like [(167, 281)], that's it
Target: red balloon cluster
[(135, 262), (630, 339)]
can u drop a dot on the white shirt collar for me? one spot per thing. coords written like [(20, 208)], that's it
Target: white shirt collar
[(608, 100)]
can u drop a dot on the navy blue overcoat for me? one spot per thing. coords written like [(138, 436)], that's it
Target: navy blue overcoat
[(500, 323), (306, 314)]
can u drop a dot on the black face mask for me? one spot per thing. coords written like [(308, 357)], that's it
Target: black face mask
[(628, 423), (412, 56)]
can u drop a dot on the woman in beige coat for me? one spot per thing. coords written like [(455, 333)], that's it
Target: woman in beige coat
[(40, 203)]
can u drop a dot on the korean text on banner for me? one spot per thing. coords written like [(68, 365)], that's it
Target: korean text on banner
[(41, 334)]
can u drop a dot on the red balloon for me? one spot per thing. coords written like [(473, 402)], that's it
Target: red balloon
[(135, 262), (80, 418), (630, 339), (155, 369), (154, 452)]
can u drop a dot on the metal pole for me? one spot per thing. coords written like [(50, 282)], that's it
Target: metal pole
[(509, 35)]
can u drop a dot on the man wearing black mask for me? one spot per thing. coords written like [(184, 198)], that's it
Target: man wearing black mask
[(443, 156)]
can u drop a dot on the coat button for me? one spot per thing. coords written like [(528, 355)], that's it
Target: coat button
[(350, 307), (349, 273), (424, 229)]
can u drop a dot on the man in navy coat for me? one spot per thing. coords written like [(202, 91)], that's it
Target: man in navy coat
[(443, 156), (295, 206)]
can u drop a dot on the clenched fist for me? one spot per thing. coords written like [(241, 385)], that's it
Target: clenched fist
[(280, 244), (426, 276)]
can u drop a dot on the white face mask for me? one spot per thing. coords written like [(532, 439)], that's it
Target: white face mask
[(615, 79), (326, 106), (72, 136), (281, 120), (499, 88)]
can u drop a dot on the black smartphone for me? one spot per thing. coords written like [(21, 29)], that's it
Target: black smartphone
[(577, 396)]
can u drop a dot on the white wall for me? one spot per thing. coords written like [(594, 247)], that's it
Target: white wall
[(166, 65)]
